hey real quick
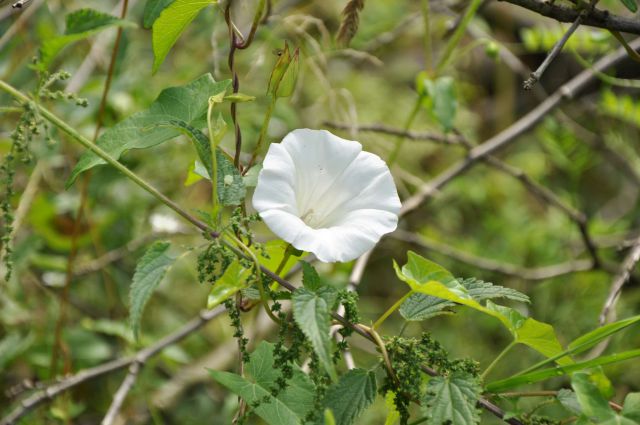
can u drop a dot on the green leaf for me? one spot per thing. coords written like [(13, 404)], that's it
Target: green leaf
[(452, 400), (426, 277), (569, 400), (480, 291), (172, 21), (439, 98), (542, 375), (631, 5), (80, 24), (590, 339), (537, 335), (593, 404), (351, 395), (149, 273), (233, 280), (420, 307), (142, 130), (152, 10), (631, 407), (292, 404), (311, 312), (310, 277), (231, 190)]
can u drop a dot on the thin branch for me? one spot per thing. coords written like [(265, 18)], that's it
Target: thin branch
[(410, 135), (121, 394), (567, 91), (555, 51), (534, 274), (52, 391), (596, 18), (623, 276)]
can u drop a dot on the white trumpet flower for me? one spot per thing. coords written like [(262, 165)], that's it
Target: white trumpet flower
[(325, 195)]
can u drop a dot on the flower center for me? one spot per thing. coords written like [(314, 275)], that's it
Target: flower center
[(312, 219)]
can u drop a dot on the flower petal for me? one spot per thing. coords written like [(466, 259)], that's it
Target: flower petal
[(276, 182), (319, 158), (324, 195)]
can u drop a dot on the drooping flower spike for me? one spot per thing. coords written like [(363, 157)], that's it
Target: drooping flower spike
[(325, 195)]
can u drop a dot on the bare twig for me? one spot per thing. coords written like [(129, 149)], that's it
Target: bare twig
[(553, 53), (19, 23), (410, 135), (623, 276), (121, 394)]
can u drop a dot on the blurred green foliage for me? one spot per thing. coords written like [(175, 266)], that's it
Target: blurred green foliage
[(576, 152)]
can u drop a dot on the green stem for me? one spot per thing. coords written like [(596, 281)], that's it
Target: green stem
[(263, 130), (428, 50), (53, 119), (214, 166), (497, 359), (10, 109), (457, 35), (405, 129), (391, 309)]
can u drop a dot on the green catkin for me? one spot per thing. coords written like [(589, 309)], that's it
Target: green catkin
[(405, 354), (30, 124)]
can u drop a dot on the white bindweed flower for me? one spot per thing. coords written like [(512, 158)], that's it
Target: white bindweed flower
[(325, 195)]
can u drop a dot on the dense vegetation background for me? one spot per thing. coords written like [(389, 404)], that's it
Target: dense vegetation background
[(563, 248)]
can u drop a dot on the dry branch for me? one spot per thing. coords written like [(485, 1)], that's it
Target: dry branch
[(596, 18)]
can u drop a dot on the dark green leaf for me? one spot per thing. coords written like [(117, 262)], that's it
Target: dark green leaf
[(172, 21), (452, 400), (187, 103), (312, 314), (310, 277), (81, 24), (152, 10), (231, 190), (149, 273), (480, 291), (421, 307), (351, 395), (632, 5)]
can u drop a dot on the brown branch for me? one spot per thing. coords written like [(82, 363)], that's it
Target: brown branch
[(596, 18)]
